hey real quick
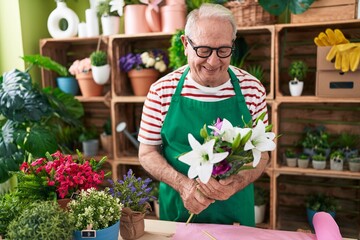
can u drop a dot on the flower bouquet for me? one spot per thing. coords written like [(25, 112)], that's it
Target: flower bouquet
[(80, 66), (156, 59), (227, 149), (58, 176), (135, 194)]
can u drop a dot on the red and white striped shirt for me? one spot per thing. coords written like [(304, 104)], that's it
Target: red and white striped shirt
[(159, 97)]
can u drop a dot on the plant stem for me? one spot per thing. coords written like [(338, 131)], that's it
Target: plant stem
[(189, 219)]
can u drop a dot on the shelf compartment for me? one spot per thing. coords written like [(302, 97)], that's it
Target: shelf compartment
[(296, 42), (292, 191), (66, 51)]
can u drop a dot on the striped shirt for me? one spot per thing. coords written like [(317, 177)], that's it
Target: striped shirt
[(159, 97)]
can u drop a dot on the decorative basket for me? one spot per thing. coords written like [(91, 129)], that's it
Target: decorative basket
[(249, 13)]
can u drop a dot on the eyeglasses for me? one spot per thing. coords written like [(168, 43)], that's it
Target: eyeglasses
[(205, 51)]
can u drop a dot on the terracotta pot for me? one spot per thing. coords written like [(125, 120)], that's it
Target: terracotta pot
[(134, 19), (107, 143), (63, 203), (141, 80), (132, 224), (88, 86), (173, 18)]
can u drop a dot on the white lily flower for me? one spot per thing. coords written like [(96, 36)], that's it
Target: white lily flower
[(117, 5), (201, 159), (229, 132), (260, 141)]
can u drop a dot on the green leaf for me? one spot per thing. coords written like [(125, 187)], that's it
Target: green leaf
[(277, 7), (47, 63), (40, 140)]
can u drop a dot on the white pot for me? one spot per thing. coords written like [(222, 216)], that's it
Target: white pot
[(291, 162), (296, 88), (90, 147), (303, 163), (354, 166), (110, 25), (101, 74), (319, 164), (260, 213), (157, 208), (336, 165)]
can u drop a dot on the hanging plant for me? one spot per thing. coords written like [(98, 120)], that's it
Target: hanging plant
[(277, 7)]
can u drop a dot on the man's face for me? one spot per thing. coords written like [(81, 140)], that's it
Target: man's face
[(212, 70)]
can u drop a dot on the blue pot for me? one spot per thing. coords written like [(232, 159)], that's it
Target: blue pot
[(310, 214), (110, 233), (68, 85)]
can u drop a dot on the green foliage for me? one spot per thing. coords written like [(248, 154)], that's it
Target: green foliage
[(261, 196), (194, 4), (337, 155), (47, 63), (298, 69), (95, 207), (290, 153), (41, 220), (321, 202), (130, 2), (177, 57), (316, 138), (304, 156), (88, 133), (241, 51), (103, 9), (107, 127), (31, 119), (277, 7), (348, 140), (98, 58), (318, 157), (257, 71)]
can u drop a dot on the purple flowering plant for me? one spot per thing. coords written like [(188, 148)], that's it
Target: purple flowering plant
[(133, 192), (155, 58)]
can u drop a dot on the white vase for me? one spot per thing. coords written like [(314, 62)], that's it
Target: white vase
[(92, 24), (296, 88), (260, 213), (59, 13), (110, 25), (101, 74)]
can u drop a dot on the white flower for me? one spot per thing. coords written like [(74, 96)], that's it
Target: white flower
[(160, 66), (229, 132), (201, 159), (117, 5), (260, 141)]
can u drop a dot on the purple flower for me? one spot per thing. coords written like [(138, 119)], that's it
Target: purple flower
[(221, 168), (218, 125)]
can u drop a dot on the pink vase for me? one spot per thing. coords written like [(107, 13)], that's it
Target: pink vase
[(173, 18), (134, 19)]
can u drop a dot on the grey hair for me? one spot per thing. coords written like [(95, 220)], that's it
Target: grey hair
[(209, 10)]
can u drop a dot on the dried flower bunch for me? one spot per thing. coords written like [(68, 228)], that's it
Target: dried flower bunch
[(97, 209), (150, 59), (59, 175), (133, 192)]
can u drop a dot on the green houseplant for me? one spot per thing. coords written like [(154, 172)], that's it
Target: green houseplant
[(337, 158), (261, 197), (303, 160), (354, 163), (319, 161), (348, 143), (320, 202), (90, 140), (100, 67), (177, 57), (31, 119), (106, 137), (290, 157), (110, 16), (41, 220), (297, 71)]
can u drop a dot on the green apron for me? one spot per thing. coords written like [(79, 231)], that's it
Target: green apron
[(189, 116)]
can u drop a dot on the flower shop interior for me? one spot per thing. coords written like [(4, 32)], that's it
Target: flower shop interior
[(306, 57)]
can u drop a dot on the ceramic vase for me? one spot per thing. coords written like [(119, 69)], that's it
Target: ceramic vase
[(142, 79), (110, 25), (92, 24), (173, 17), (260, 213), (90, 147), (68, 85), (62, 12), (296, 89), (101, 74), (110, 233), (132, 224), (134, 19), (88, 86)]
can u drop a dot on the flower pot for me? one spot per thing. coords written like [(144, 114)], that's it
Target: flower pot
[(142, 79), (110, 25), (68, 85), (90, 147), (63, 203), (110, 233), (132, 224), (88, 86), (173, 18), (107, 143), (337, 165), (310, 214), (354, 166), (296, 88), (260, 213), (291, 162), (157, 208), (318, 164), (134, 19), (303, 163), (101, 74)]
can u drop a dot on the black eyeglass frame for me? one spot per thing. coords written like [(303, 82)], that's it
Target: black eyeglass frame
[(210, 48)]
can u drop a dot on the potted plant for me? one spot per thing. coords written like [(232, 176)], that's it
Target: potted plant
[(354, 163), (143, 68), (65, 81), (100, 67), (337, 158), (90, 141), (135, 194), (81, 69), (106, 137), (96, 214), (290, 157), (31, 119), (319, 161), (316, 140), (297, 71), (261, 197), (109, 12), (320, 203), (41, 220), (257, 71), (155, 193), (177, 56), (303, 160), (348, 143)]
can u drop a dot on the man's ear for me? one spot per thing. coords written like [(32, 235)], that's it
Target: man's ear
[(185, 43)]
